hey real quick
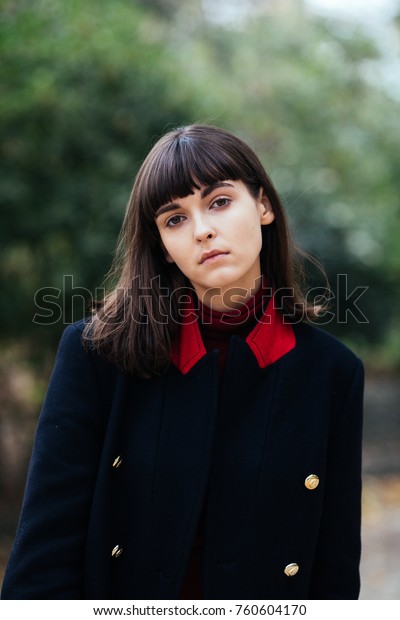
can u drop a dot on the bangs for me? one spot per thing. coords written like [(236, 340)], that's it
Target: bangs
[(185, 163)]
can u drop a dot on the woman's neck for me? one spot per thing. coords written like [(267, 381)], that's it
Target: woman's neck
[(229, 318), (229, 299)]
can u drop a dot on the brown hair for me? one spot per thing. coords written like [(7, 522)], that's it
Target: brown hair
[(135, 324)]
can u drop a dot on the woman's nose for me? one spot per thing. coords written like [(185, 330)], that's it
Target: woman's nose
[(203, 230)]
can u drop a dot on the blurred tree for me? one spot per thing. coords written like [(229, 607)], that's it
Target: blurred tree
[(169, 8), (88, 86), (306, 93)]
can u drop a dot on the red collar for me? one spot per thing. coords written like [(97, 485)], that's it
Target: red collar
[(270, 340)]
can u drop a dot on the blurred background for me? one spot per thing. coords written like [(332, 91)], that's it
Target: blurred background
[(313, 86)]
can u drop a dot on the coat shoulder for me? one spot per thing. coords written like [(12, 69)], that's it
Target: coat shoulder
[(316, 346), (76, 353), (74, 340)]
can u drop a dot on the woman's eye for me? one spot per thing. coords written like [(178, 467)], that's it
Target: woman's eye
[(220, 202), (174, 221)]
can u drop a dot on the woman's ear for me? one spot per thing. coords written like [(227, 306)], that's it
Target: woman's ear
[(267, 215)]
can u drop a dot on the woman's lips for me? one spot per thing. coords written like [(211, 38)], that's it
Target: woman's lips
[(210, 257)]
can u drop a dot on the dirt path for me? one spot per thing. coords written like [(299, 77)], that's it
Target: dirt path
[(380, 567)]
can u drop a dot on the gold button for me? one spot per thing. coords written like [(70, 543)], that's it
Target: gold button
[(116, 552), (117, 462), (291, 570), (311, 482)]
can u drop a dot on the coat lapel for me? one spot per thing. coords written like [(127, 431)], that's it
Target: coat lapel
[(270, 339)]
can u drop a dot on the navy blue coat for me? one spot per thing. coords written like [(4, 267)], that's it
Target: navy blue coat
[(121, 468)]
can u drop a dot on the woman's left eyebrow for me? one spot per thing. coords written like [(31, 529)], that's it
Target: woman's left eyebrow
[(171, 206)]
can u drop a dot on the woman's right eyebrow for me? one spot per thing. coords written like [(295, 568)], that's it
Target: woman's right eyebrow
[(170, 206)]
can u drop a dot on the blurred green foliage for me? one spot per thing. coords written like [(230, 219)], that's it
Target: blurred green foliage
[(88, 86)]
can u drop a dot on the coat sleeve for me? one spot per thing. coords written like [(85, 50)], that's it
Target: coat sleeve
[(336, 565), (46, 560)]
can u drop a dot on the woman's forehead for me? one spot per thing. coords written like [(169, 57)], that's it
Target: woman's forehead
[(174, 187)]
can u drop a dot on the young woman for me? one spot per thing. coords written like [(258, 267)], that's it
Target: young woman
[(200, 438)]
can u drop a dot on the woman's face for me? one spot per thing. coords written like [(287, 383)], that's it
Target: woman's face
[(214, 237)]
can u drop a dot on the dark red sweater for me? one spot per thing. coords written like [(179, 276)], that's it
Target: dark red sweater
[(216, 330)]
